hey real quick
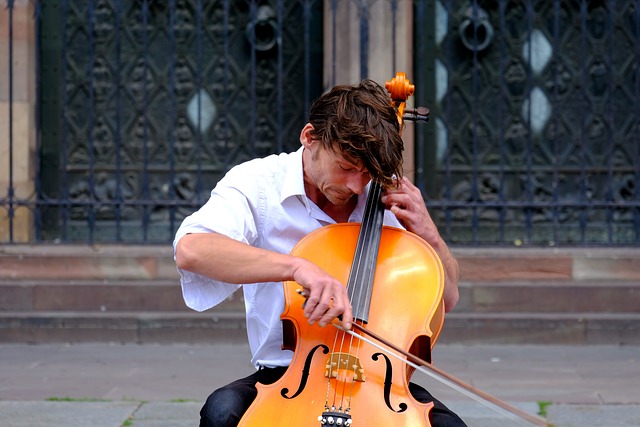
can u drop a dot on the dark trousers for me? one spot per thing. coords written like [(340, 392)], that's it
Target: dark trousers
[(225, 406)]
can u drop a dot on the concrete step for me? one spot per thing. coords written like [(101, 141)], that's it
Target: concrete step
[(131, 294), (122, 327), (229, 326), (571, 328), (113, 262), (119, 295), (165, 295), (549, 296), (540, 312)]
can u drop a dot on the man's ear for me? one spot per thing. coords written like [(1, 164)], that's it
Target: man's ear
[(305, 135)]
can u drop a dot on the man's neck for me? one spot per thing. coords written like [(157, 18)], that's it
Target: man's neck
[(339, 213)]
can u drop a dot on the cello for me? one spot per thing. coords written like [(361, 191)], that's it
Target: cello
[(395, 283)]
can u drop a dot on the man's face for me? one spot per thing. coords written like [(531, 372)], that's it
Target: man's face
[(335, 177)]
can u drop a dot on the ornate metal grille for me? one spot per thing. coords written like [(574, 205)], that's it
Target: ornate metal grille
[(158, 99), (536, 129), (143, 105)]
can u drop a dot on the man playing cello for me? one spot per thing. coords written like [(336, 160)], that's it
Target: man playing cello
[(243, 235)]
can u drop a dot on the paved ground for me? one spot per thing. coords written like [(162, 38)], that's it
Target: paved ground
[(112, 385)]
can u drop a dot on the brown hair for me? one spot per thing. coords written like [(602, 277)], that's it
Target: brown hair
[(359, 123)]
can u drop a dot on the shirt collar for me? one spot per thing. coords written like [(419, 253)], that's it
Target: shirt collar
[(293, 184)]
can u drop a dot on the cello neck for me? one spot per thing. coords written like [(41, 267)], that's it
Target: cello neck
[(360, 283)]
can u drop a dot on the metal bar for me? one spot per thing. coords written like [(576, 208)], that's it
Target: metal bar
[(447, 108), (225, 81), (65, 124), (475, 220), (172, 111), (146, 215), (253, 70), (529, 151), (118, 136), (420, 71), (436, 204), (637, 120), (307, 54), (502, 149), (38, 113), (611, 6), (280, 75), (584, 80), (91, 111), (556, 55), (11, 194), (199, 88)]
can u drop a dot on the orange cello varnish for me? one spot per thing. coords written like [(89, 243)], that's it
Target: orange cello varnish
[(406, 309)]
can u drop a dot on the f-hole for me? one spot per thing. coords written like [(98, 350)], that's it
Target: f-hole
[(305, 372), (387, 383)]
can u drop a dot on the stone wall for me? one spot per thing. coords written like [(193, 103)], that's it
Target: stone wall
[(17, 117)]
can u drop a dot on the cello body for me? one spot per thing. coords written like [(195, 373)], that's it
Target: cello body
[(334, 374), (395, 283)]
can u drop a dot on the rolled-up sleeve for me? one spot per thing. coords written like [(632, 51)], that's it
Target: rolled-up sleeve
[(229, 211)]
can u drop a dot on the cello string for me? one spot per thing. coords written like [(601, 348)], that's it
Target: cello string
[(360, 288), (330, 372), (371, 229)]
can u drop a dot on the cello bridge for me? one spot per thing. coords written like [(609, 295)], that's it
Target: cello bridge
[(344, 361)]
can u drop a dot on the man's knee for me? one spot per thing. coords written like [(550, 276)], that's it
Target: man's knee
[(224, 407)]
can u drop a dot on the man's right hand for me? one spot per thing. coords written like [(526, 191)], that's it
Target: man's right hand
[(326, 297)]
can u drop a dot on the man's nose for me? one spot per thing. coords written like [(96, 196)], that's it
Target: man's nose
[(358, 181)]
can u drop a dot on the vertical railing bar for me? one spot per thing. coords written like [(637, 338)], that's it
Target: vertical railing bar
[(91, 121), (146, 215), (420, 98), (501, 114), (10, 212), (529, 138), (118, 137), (610, 119), (307, 56), (172, 110), (584, 81), (474, 125), (225, 81), (448, 179), (37, 213), (253, 14), (556, 122), (364, 39), (64, 203), (199, 87), (637, 122), (280, 78)]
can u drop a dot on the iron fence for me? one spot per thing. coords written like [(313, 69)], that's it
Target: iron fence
[(140, 106)]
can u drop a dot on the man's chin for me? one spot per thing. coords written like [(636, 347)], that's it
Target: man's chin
[(340, 201)]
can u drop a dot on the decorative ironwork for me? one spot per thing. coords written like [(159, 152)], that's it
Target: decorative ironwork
[(537, 128), (159, 100), (144, 104)]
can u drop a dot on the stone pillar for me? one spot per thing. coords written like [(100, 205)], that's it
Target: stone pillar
[(342, 64), (23, 118)]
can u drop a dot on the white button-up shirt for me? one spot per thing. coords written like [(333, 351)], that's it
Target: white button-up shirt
[(262, 203)]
